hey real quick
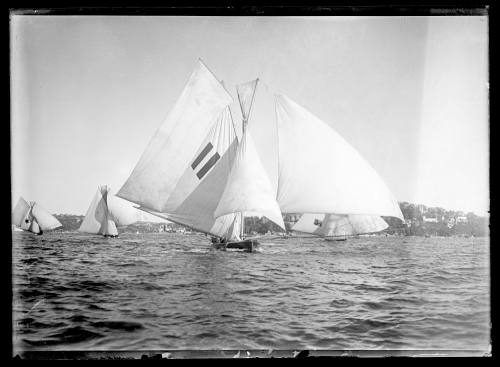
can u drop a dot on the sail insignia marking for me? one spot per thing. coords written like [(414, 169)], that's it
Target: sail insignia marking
[(202, 155), (211, 162)]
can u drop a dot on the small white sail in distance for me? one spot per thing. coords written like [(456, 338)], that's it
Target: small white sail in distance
[(319, 172), (170, 152), (326, 225), (103, 218), (30, 216)]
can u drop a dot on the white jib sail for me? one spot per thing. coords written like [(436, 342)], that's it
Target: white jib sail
[(326, 225), (32, 217), (319, 172), (248, 188), (98, 220), (193, 201), (233, 232), (170, 152)]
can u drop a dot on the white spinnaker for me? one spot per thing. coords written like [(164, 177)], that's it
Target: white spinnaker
[(319, 172), (98, 219), (20, 212), (45, 220), (170, 152), (199, 189), (248, 188), (326, 225)]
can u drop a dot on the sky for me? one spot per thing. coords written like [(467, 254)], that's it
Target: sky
[(409, 93)]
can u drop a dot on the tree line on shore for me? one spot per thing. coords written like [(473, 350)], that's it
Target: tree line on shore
[(419, 221)]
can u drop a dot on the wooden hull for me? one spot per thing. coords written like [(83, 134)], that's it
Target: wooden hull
[(335, 239), (245, 245)]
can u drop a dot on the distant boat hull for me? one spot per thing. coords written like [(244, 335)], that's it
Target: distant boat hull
[(335, 239), (245, 245)]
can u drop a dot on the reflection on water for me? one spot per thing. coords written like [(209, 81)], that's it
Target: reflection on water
[(169, 291)]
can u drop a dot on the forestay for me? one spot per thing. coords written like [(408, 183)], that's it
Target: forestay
[(319, 172), (326, 225), (155, 180)]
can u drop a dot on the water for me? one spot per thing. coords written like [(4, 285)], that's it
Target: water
[(171, 291)]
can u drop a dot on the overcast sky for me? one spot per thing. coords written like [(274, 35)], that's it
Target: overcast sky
[(410, 93)]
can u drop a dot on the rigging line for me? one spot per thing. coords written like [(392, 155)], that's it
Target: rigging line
[(253, 96), (277, 146)]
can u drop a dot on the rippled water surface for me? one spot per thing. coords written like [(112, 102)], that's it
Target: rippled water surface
[(171, 291)]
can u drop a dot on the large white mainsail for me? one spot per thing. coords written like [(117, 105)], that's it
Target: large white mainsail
[(319, 172), (170, 152), (30, 216), (332, 225), (249, 190), (184, 169), (99, 219)]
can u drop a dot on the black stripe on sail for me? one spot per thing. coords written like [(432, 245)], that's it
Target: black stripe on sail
[(202, 155), (208, 165)]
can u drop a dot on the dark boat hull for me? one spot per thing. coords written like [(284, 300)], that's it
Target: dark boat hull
[(245, 245)]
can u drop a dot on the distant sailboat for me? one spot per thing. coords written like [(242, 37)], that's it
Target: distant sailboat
[(339, 227), (104, 215), (30, 216), (196, 173)]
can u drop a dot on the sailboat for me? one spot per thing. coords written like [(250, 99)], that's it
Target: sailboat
[(335, 227), (30, 216), (104, 214), (195, 171)]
